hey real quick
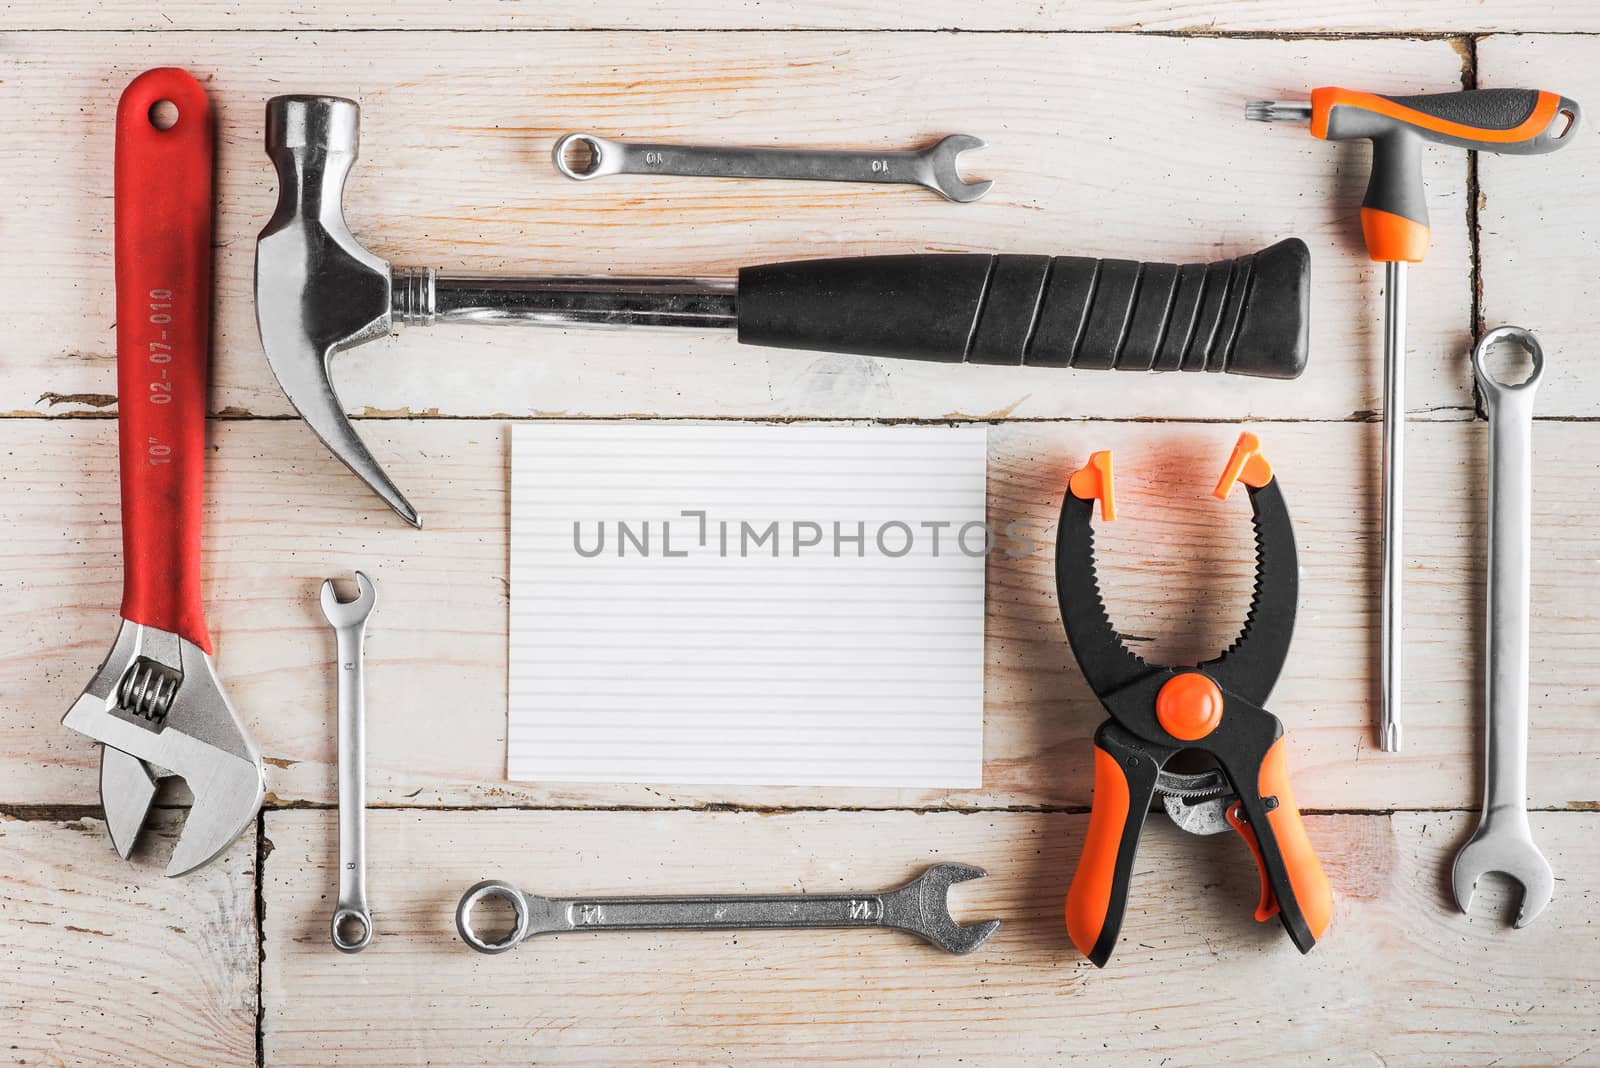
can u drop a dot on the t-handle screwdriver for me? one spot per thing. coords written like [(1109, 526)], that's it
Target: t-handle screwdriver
[(1394, 221)]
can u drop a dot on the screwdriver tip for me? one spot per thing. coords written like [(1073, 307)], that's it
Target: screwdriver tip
[(1277, 111), (1391, 738)]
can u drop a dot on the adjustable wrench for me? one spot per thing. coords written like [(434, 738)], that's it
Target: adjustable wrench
[(920, 907), (155, 703), (351, 927), (933, 167), (1503, 841)]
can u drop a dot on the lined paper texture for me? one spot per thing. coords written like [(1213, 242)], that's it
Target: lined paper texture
[(747, 604)]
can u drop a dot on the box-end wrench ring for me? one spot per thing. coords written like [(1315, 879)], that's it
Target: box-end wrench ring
[(933, 167), (920, 907), (1503, 841), (351, 926)]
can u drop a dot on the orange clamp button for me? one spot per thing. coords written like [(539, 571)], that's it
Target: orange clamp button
[(1189, 706), (1246, 465), (1092, 482)]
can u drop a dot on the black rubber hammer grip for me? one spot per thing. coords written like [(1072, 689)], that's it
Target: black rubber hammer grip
[(1246, 316)]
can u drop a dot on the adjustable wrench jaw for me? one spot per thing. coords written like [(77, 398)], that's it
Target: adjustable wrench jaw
[(158, 707)]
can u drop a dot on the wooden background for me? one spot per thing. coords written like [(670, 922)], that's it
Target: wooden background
[(1115, 129)]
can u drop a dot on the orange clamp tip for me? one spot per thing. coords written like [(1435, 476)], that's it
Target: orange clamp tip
[(1246, 465), (1189, 706), (1393, 238), (1092, 482)]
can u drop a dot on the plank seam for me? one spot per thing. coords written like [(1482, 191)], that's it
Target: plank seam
[(1187, 33)]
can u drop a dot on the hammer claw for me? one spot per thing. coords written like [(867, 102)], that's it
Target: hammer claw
[(318, 291)]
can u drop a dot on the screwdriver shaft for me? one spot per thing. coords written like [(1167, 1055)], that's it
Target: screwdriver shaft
[(1394, 421)]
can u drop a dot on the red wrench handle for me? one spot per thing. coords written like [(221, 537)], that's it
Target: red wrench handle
[(163, 265)]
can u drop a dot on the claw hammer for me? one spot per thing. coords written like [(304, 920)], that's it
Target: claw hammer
[(1394, 222), (320, 292)]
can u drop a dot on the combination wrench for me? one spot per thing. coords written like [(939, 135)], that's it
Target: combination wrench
[(1503, 841), (351, 927), (920, 907), (583, 156)]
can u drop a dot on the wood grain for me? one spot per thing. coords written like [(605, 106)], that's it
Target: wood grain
[(282, 516), (455, 172), (1195, 980), (1539, 235), (106, 962), (1124, 143), (1161, 16)]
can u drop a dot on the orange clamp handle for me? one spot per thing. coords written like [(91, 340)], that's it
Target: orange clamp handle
[(1267, 904), (1312, 892), (1091, 911)]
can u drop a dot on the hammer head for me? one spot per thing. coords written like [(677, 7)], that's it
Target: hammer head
[(317, 290)]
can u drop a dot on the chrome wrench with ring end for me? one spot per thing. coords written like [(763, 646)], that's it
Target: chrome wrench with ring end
[(1503, 841), (583, 156), (920, 907), (351, 927)]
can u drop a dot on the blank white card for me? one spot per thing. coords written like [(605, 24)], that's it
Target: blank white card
[(745, 603)]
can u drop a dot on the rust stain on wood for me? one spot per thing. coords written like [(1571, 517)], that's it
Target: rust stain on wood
[(93, 400)]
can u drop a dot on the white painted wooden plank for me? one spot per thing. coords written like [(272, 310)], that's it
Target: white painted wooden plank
[(1108, 145), (1182, 16), (105, 962), (1400, 976), (283, 516), (1539, 233)]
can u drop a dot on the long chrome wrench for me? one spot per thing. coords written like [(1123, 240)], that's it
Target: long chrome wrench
[(1503, 841), (933, 167), (920, 907), (351, 927)]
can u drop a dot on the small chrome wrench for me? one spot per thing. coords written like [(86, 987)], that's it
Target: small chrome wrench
[(1503, 841), (933, 167), (920, 907), (351, 927)]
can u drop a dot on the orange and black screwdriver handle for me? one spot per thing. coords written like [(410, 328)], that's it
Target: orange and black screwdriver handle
[(1394, 215), (1215, 708)]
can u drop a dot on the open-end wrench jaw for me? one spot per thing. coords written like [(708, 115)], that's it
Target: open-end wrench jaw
[(944, 176), (1509, 850), (157, 702), (349, 613), (922, 907)]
